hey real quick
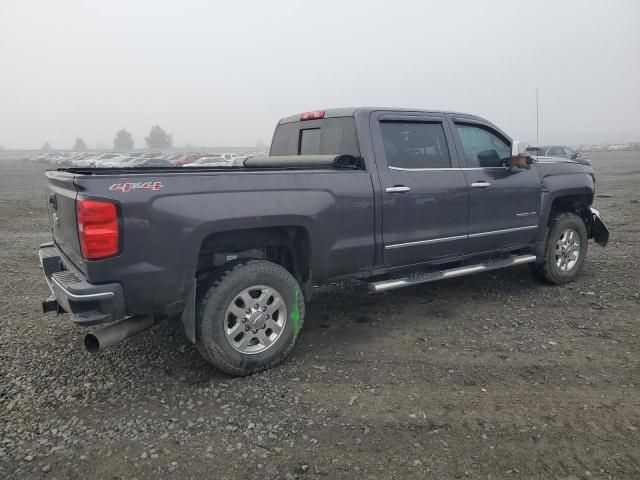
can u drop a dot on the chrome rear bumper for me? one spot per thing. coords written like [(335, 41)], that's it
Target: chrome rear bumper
[(89, 304)]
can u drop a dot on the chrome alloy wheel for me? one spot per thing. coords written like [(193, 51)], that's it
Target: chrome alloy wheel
[(567, 249), (255, 319)]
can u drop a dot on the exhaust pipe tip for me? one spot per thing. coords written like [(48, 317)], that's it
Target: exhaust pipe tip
[(107, 336), (91, 343)]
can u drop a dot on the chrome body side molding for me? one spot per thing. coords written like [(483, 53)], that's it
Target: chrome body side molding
[(459, 237), (447, 169)]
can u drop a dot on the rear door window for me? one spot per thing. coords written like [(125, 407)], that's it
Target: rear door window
[(415, 145)]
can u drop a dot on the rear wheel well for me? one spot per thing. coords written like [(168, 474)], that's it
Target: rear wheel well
[(287, 246)]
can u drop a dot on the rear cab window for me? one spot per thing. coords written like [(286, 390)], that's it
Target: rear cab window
[(326, 136), (310, 141)]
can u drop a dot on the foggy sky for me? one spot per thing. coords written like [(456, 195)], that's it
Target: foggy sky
[(222, 73)]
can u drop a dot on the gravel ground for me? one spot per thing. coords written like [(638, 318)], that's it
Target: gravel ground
[(488, 376)]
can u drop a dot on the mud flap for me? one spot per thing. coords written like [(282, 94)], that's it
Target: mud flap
[(188, 317), (599, 229)]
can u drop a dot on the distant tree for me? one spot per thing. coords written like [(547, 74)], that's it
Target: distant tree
[(46, 146), (123, 141), (79, 145), (158, 138), (260, 145)]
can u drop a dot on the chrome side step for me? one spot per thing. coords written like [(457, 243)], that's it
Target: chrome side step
[(450, 273)]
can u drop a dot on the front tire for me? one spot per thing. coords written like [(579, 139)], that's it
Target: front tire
[(565, 250), (249, 317)]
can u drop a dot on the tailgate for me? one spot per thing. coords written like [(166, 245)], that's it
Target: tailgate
[(61, 203)]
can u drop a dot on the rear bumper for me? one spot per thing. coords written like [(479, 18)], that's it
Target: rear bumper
[(599, 229), (87, 303)]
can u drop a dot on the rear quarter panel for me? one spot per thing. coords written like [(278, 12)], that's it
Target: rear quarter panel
[(163, 230)]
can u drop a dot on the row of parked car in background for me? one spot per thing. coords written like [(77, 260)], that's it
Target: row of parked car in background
[(209, 159), (141, 159)]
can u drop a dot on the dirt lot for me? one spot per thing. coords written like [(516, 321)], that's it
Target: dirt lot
[(489, 376)]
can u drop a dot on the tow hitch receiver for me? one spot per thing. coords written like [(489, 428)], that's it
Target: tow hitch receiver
[(51, 305)]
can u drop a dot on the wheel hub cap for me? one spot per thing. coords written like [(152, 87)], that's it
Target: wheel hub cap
[(567, 250), (255, 319)]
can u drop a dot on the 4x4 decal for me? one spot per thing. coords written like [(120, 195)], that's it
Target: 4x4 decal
[(126, 187)]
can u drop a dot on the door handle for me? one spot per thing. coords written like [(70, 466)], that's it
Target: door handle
[(480, 184), (397, 189)]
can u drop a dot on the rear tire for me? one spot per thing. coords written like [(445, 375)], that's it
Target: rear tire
[(249, 317), (565, 250)]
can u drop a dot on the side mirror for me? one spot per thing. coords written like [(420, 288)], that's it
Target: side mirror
[(520, 157), (518, 148)]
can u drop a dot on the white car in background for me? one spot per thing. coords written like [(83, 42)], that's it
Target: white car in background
[(107, 160), (213, 161)]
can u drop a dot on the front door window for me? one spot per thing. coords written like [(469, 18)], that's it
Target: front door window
[(483, 148)]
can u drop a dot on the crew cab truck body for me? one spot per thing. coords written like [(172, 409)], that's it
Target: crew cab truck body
[(393, 197)]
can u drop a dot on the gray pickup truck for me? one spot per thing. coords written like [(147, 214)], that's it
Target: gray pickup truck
[(391, 197)]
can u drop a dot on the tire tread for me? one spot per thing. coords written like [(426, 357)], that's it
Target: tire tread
[(546, 270), (212, 352)]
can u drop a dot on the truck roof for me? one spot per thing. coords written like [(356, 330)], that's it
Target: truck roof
[(352, 111)]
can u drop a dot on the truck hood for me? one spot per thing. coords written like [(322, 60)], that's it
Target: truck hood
[(552, 166), (578, 160)]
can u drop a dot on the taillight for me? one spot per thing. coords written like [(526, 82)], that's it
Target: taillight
[(98, 228), (315, 115)]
